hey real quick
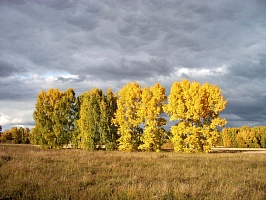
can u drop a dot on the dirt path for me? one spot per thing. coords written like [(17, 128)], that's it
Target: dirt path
[(238, 150)]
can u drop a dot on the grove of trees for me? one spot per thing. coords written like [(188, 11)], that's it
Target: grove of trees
[(16, 135), (133, 119), (244, 136)]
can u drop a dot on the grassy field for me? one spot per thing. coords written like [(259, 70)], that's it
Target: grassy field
[(28, 172)]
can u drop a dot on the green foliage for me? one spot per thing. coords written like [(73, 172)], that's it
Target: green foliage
[(95, 119), (108, 131), (54, 117), (133, 119), (89, 118)]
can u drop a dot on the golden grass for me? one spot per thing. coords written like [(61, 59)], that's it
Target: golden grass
[(28, 172)]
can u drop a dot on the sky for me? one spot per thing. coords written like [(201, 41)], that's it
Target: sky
[(82, 44)]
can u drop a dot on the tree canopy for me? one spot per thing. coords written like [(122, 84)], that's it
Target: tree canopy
[(196, 110), (132, 120)]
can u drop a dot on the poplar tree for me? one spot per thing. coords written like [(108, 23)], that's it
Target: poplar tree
[(64, 115), (43, 114), (108, 131), (127, 117), (89, 118), (152, 101), (196, 110), (54, 116), (76, 135)]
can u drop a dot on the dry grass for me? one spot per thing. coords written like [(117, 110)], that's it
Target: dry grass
[(28, 172)]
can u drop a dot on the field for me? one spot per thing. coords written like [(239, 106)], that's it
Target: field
[(29, 172)]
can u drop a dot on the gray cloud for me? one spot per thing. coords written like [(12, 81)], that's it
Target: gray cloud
[(84, 44), (7, 69), (251, 68)]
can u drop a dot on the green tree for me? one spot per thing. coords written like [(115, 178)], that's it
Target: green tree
[(90, 118), (196, 109), (64, 116), (54, 116), (108, 131), (76, 135)]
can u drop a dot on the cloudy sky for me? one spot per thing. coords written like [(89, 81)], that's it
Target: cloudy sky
[(84, 44)]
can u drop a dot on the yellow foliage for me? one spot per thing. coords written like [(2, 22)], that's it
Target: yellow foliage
[(152, 101), (127, 117), (196, 107)]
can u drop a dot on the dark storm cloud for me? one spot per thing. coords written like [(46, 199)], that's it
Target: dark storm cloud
[(251, 68), (84, 44), (129, 69), (7, 69)]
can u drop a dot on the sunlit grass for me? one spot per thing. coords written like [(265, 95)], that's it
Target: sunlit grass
[(28, 172)]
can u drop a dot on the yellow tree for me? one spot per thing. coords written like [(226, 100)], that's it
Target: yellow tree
[(227, 138), (44, 117), (196, 109), (152, 101), (54, 115), (127, 118)]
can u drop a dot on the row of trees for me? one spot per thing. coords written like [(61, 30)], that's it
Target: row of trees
[(16, 135), (133, 119), (85, 121), (244, 136)]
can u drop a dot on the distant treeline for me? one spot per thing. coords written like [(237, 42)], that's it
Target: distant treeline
[(244, 136), (16, 136)]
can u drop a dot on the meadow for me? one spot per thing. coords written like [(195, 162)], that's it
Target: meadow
[(29, 172)]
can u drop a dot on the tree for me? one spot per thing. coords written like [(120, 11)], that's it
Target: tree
[(6, 136), (89, 118), (226, 137), (16, 135), (127, 118), (196, 109), (54, 116), (76, 135), (108, 131), (152, 101), (64, 116)]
